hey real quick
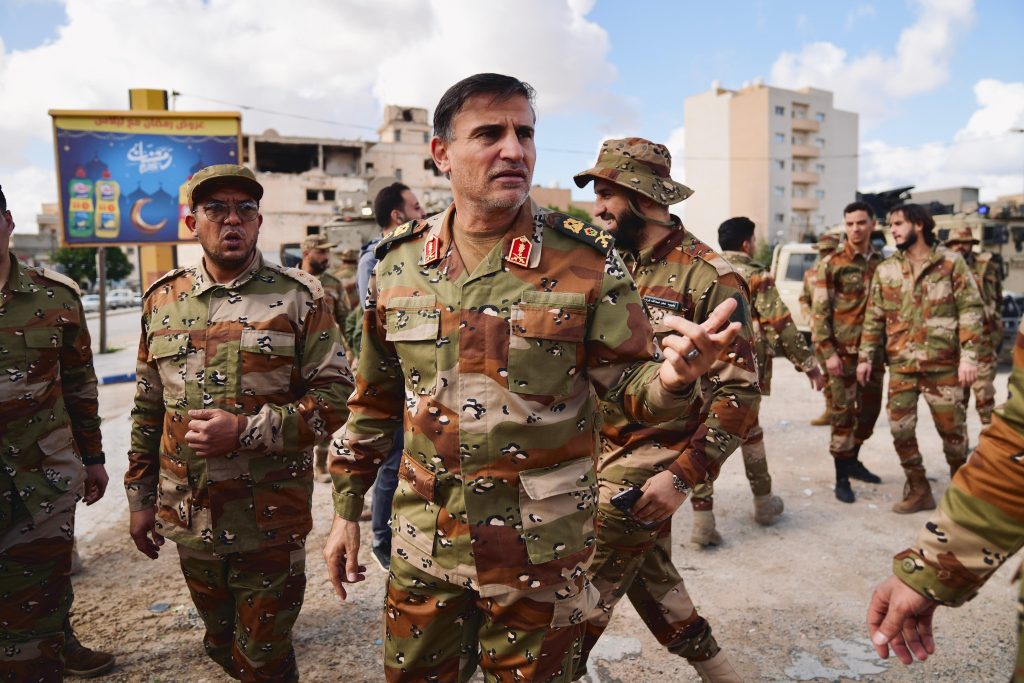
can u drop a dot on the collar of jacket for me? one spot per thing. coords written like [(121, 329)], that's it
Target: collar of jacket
[(872, 252), (18, 279), (442, 224), (666, 244), (203, 281)]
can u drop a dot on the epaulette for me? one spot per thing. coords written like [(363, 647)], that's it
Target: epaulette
[(166, 277), (60, 278), (584, 232), (399, 234), (701, 250), (308, 281)]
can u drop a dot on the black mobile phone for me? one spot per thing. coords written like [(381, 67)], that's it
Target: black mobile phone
[(627, 499)]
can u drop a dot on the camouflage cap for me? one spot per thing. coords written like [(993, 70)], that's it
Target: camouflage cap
[(637, 164), (962, 234), (827, 243), (348, 255), (317, 242), (210, 178)]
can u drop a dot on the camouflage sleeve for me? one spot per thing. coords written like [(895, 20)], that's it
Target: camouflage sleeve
[(778, 325), (970, 310), (377, 406), (321, 410), (978, 526), (733, 399), (623, 358), (143, 473), (992, 298), (873, 332), (81, 398), (821, 311), (807, 294)]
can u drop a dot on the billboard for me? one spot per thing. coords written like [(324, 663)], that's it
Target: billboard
[(121, 174)]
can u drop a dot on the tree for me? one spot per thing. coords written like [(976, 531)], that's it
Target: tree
[(80, 263)]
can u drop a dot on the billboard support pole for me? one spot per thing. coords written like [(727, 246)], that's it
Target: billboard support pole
[(101, 275)]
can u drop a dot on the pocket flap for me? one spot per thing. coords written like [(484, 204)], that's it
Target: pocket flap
[(412, 323), (558, 320), (268, 342), (44, 337), (566, 477), (420, 479), (56, 441), (166, 346)]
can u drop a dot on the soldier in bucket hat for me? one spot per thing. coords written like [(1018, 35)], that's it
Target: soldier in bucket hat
[(676, 274), (990, 281)]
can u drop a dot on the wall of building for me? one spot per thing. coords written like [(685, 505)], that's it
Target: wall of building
[(706, 165)]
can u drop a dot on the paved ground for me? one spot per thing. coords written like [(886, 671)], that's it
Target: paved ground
[(788, 602)]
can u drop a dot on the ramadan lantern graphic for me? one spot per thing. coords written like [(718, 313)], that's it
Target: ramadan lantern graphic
[(122, 174)]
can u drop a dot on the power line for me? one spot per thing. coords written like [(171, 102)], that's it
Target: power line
[(249, 107)]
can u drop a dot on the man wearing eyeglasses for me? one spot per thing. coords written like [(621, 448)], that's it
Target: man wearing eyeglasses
[(240, 372)]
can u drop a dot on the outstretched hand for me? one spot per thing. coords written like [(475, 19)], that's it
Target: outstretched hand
[(682, 367), (901, 618)]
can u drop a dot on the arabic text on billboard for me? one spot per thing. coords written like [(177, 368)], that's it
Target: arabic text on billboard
[(122, 177)]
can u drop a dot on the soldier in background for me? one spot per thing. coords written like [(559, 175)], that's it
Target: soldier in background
[(925, 306), (843, 282), (490, 331), (990, 282), (979, 525), (826, 245), (52, 455), (346, 273), (240, 372), (316, 256), (675, 274), (774, 334)]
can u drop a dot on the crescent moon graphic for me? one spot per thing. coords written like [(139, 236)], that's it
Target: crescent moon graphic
[(139, 222)]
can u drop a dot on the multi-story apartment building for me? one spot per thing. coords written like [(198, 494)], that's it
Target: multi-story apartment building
[(787, 159)]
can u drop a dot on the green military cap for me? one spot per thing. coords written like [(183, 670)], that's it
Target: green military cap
[(640, 165), (317, 242), (827, 243), (962, 234), (219, 175)]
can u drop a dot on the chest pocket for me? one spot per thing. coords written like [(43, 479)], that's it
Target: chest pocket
[(266, 359), (545, 333), (412, 325), (38, 361), (170, 352), (851, 282)]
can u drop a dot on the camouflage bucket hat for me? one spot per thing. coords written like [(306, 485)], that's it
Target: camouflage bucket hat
[(637, 164), (317, 242), (963, 234), (210, 178), (827, 243)]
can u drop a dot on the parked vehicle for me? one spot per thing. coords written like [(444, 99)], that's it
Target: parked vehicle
[(91, 303), (120, 298)]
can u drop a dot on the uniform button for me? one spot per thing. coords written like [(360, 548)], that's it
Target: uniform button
[(909, 565), (220, 293)]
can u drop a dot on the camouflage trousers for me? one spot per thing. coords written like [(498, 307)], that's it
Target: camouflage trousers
[(637, 562), (984, 389), (855, 408), (248, 603), (35, 588), (440, 631), (944, 396), (755, 464)]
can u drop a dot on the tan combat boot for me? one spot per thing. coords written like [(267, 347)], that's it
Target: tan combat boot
[(767, 509), (718, 669), (824, 419), (81, 661), (917, 494), (703, 533)]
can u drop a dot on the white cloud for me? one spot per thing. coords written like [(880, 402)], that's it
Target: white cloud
[(869, 83), (865, 11), (676, 144), (340, 61), (983, 154)]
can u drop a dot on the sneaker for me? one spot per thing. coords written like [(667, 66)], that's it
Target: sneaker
[(81, 661), (383, 557)]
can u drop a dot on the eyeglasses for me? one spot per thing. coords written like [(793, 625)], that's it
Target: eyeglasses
[(218, 211)]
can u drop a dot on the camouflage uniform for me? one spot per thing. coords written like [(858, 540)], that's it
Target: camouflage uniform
[(928, 324), (840, 301), (826, 245), (50, 428), (495, 374), (990, 283), (264, 346), (773, 332), (980, 520)]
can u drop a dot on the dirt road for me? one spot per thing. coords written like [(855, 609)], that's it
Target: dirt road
[(787, 601)]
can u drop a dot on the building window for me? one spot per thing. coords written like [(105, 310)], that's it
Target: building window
[(780, 137), (329, 195), (398, 135), (312, 229), (819, 194), (819, 143), (780, 164), (369, 167), (780, 218), (779, 191), (819, 116), (312, 195), (820, 168), (398, 174), (428, 164), (780, 111), (426, 138)]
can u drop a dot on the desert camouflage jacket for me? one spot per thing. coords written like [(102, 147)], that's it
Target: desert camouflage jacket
[(990, 283), (840, 300), (493, 375), (980, 520), (928, 323), (807, 293), (680, 275), (774, 329), (50, 422), (264, 346)]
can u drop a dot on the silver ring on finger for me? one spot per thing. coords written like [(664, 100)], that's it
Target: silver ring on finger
[(692, 354)]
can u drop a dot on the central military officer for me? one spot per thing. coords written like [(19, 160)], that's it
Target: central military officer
[(488, 329)]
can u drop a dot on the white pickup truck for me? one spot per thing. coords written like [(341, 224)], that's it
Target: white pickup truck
[(789, 263)]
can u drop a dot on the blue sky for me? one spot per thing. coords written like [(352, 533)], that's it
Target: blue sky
[(934, 114)]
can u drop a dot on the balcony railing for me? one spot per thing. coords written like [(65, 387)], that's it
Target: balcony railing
[(806, 152), (806, 125), (805, 177), (804, 204)]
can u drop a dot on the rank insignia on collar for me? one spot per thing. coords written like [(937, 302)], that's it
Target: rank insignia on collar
[(431, 250), (519, 251)]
